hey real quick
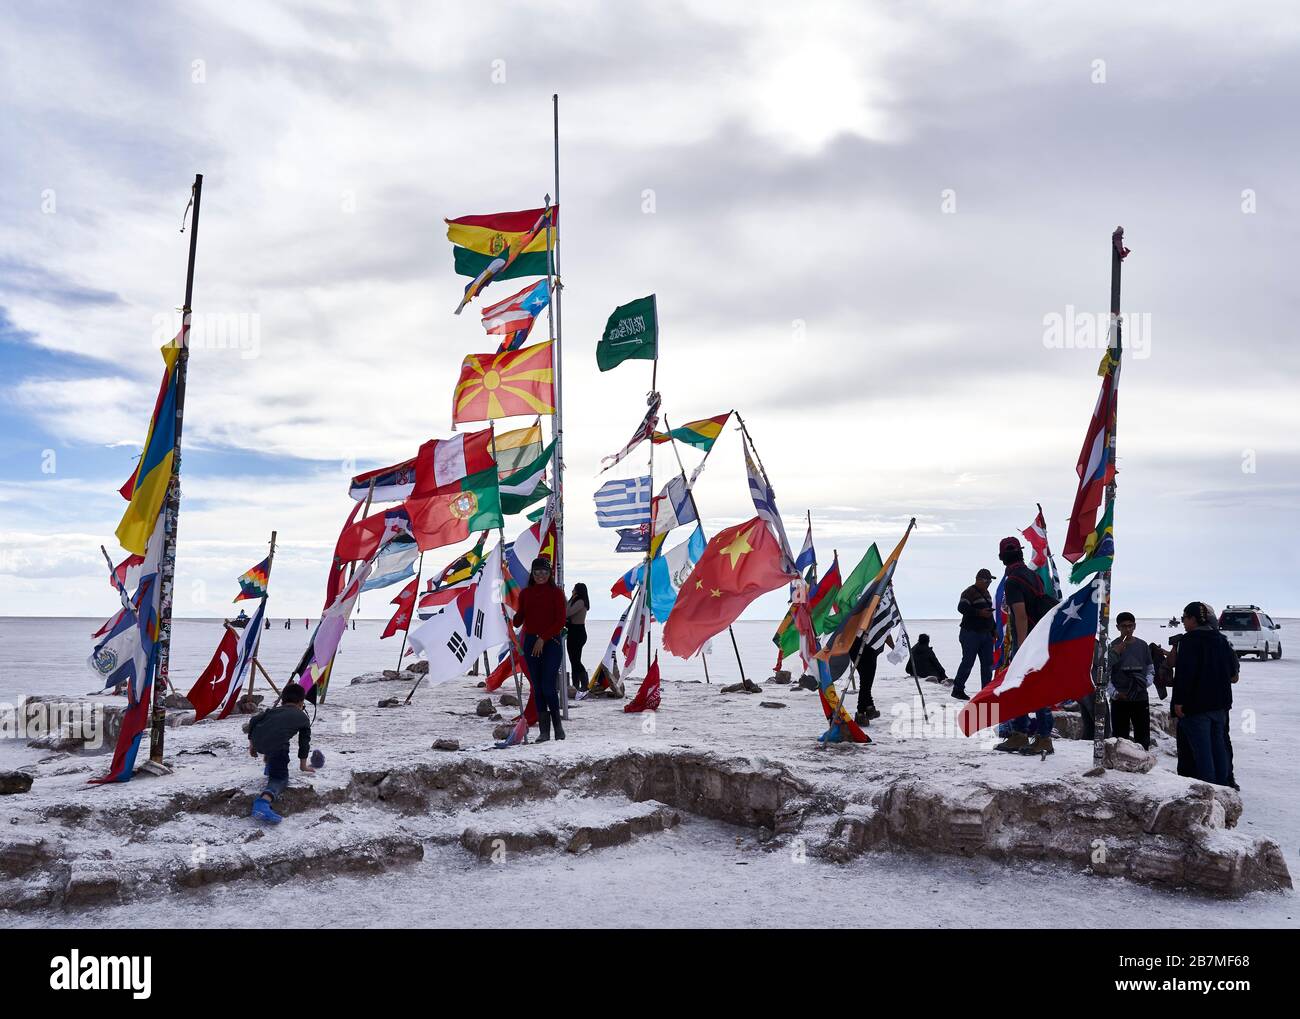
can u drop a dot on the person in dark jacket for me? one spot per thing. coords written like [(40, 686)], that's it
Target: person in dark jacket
[(923, 662), (579, 604), (1202, 694), (975, 633), (541, 615), (1131, 672), (269, 733), (1027, 603)]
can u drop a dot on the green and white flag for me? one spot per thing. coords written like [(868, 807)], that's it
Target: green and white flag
[(525, 486), (632, 332)]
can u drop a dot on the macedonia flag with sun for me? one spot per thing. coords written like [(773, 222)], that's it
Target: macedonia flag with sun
[(506, 384)]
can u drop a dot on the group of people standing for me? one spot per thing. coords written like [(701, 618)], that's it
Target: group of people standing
[(1198, 671)]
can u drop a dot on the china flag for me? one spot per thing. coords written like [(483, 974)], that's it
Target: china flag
[(738, 565)]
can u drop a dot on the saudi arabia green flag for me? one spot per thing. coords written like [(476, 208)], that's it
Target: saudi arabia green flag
[(632, 332)]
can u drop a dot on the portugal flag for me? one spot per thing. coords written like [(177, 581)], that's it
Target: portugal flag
[(506, 384), (738, 565), (1053, 664), (452, 513)]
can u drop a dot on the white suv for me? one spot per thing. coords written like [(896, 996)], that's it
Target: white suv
[(1249, 631)]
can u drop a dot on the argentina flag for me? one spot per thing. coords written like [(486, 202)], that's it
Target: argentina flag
[(623, 502)]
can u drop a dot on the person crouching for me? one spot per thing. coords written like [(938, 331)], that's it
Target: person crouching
[(269, 733)]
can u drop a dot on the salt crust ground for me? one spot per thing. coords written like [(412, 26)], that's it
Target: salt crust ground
[(118, 835)]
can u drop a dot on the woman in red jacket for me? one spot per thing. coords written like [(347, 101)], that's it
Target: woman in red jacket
[(542, 615)]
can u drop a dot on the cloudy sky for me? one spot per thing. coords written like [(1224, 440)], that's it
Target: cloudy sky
[(860, 221)]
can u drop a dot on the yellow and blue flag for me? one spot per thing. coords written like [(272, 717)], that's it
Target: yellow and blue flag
[(148, 486)]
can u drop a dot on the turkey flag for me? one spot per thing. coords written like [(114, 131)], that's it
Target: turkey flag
[(405, 603), (647, 697), (210, 688)]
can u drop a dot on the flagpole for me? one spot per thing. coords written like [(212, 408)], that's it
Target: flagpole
[(1051, 560), (515, 661), (1100, 659), (324, 684), (252, 672), (557, 289), (171, 513), (414, 603), (650, 541), (690, 491)]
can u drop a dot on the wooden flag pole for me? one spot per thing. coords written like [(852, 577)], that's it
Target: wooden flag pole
[(171, 512), (690, 491), (1100, 658), (267, 676), (258, 645)]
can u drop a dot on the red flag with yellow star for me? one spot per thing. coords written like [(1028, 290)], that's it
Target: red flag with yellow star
[(505, 384), (738, 565)]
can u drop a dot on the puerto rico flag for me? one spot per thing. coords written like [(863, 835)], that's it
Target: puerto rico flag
[(1053, 664), (512, 319)]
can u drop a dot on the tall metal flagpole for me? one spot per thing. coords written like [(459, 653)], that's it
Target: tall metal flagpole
[(557, 289), (690, 491), (650, 541), (1100, 659), (171, 515)]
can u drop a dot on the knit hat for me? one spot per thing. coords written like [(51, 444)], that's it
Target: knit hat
[(542, 563)]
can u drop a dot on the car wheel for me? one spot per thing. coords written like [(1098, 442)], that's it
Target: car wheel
[(1278, 653), (1263, 655)]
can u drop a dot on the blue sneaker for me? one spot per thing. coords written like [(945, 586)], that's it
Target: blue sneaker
[(263, 812)]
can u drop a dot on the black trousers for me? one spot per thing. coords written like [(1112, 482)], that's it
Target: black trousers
[(866, 677), (576, 640), (1131, 720)]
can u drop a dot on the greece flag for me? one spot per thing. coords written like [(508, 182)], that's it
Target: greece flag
[(623, 502)]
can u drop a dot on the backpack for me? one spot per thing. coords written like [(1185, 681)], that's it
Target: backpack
[(1038, 602)]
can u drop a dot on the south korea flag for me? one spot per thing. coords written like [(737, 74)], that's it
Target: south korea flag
[(475, 622)]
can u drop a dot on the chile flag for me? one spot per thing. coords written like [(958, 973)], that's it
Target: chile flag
[(1053, 664)]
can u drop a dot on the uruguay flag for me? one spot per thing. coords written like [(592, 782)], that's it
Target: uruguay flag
[(1053, 664)]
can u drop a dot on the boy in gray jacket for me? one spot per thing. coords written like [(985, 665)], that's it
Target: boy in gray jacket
[(269, 733)]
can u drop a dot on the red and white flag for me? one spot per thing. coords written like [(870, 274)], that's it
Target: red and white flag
[(1036, 535), (647, 696), (217, 688), (405, 602)]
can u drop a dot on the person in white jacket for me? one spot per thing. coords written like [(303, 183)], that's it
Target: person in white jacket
[(1131, 673)]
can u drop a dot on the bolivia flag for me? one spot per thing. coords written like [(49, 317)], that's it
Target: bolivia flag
[(1054, 664), (478, 240), (153, 474)]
